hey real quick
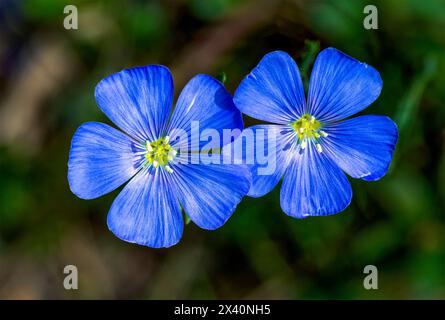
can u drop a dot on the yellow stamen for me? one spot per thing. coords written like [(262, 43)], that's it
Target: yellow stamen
[(308, 129), (160, 153)]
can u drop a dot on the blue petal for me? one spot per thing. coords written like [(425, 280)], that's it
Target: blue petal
[(101, 159), (273, 91), (147, 212), (206, 101), (314, 185), (362, 146), (341, 86), (209, 193), (263, 149), (137, 100)]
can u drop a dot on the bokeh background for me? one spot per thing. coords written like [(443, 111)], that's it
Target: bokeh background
[(47, 80)]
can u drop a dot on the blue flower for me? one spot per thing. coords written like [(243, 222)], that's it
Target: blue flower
[(148, 209), (314, 144)]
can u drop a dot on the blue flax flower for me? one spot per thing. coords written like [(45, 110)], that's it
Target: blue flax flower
[(314, 142), (148, 209)]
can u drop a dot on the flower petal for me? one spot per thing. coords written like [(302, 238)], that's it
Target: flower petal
[(362, 146), (341, 86), (101, 159), (209, 193), (273, 91), (314, 185), (147, 212), (261, 148), (137, 100), (206, 101)]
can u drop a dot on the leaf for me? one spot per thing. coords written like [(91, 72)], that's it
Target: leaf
[(309, 53), (222, 77), (407, 108)]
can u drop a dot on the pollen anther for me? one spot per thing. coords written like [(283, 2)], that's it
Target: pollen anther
[(308, 129), (159, 153)]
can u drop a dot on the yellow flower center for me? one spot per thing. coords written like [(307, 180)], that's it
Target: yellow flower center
[(160, 153), (308, 128)]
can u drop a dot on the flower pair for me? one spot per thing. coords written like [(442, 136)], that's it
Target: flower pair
[(313, 146)]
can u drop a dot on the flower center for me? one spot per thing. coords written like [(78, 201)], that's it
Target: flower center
[(160, 153), (308, 128)]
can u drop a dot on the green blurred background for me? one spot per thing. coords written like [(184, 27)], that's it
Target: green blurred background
[(47, 80)]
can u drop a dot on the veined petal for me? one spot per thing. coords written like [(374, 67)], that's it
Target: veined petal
[(265, 150), (273, 91), (362, 146), (341, 86), (147, 211), (204, 100), (137, 100), (101, 159), (314, 185), (209, 193)]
